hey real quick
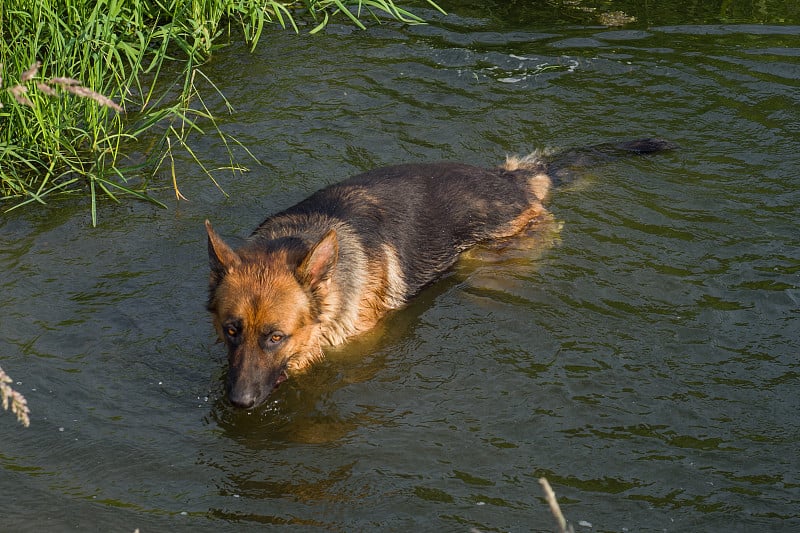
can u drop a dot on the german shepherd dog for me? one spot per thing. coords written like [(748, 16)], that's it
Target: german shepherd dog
[(333, 265)]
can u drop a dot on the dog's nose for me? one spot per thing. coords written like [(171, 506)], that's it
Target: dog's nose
[(242, 399)]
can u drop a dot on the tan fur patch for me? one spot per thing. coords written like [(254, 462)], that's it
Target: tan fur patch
[(384, 289), (522, 221), (260, 295), (540, 185), (395, 283), (532, 162), (339, 319)]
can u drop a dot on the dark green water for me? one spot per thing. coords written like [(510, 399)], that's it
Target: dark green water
[(645, 358)]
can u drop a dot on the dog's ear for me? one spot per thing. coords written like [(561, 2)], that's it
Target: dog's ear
[(317, 266), (221, 257)]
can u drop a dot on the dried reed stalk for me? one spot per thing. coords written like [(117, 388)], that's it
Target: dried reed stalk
[(563, 526), (70, 85), (14, 400)]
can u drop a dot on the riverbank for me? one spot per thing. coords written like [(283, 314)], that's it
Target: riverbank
[(53, 138)]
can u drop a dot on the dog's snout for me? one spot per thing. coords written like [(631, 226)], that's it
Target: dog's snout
[(250, 388), (243, 401), (241, 393)]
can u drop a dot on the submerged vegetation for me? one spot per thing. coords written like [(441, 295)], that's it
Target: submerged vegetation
[(77, 82)]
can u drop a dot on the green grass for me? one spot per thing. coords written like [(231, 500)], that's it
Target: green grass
[(78, 82)]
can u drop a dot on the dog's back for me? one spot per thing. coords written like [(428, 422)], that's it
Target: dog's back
[(426, 214)]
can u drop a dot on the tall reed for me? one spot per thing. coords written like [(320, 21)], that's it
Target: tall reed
[(13, 400), (69, 136)]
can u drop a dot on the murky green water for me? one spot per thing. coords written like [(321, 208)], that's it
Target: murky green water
[(645, 360)]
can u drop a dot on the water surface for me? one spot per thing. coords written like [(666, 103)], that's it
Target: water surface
[(643, 356)]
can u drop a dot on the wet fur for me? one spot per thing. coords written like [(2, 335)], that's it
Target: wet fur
[(333, 265)]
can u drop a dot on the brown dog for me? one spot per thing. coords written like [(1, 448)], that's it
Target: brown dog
[(333, 265)]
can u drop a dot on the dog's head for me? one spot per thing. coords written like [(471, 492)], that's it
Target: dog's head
[(266, 299)]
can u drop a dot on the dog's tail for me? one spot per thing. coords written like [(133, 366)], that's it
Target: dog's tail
[(563, 167)]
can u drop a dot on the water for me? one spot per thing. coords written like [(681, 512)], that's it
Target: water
[(643, 358)]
